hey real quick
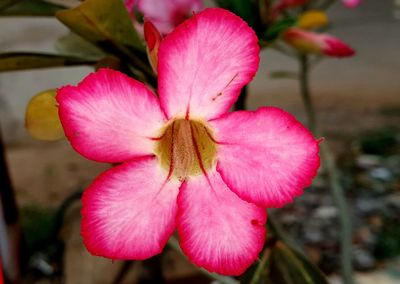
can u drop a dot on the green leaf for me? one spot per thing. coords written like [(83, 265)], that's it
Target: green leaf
[(12, 61), (74, 45), (103, 22), (287, 266), (28, 8), (246, 9), (275, 30)]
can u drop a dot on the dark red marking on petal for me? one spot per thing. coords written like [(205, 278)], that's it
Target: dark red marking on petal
[(227, 85), (171, 164), (198, 154), (187, 112), (156, 138), (255, 222), (212, 138)]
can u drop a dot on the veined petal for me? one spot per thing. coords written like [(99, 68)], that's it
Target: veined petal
[(266, 156), (110, 117), (203, 64), (218, 230), (129, 211)]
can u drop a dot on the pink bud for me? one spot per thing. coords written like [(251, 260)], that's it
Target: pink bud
[(153, 39), (310, 42)]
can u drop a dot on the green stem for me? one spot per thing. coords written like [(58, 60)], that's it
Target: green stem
[(261, 267), (305, 92), (173, 243), (11, 236), (328, 163)]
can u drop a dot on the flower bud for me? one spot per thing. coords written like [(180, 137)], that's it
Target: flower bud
[(153, 39), (310, 42)]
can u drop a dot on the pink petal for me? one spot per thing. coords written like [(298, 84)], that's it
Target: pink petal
[(204, 63), (168, 14), (351, 3), (109, 117), (336, 47), (218, 230), (129, 211), (129, 4), (266, 156)]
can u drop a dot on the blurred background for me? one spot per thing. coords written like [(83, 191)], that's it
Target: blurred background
[(358, 103)]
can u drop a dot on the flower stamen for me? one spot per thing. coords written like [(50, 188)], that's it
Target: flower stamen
[(186, 148)]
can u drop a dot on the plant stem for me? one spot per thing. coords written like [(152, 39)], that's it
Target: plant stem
[(333, 178), (305, 93), (173, 243), (126, 266), (260, 270), (152, 271), (12, 234)]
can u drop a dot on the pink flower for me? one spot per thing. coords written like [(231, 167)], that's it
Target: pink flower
[(186, 162), (310, 42), (166, 14), (351, 3)]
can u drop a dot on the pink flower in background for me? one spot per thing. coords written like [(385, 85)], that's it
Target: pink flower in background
[(166, 14), (186, 162), (310, 42), (351, 3)]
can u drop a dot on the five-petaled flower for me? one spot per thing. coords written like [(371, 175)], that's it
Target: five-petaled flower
[(186, 162)]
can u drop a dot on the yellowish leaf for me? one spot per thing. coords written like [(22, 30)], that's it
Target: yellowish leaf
[(41, 118)]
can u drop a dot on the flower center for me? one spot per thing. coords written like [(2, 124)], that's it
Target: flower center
[(186, 148)]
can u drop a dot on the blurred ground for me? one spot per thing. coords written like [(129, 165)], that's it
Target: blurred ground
[(352, 96)]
